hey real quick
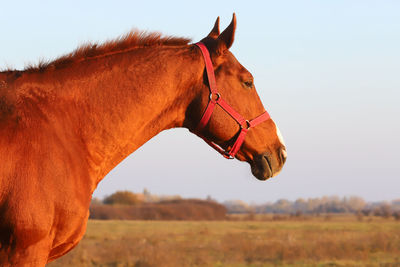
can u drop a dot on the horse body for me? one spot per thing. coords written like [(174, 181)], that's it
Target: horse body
[(53, 154), (65, 125)]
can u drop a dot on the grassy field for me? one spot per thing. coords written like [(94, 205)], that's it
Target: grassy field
[(317, 241)]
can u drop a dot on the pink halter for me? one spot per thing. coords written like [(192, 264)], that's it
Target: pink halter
[(216, 99)]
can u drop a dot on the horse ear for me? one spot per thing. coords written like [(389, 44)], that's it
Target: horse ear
[(215, 31), (225, 39)]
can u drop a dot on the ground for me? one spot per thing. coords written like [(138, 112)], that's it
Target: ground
[(261, 241)]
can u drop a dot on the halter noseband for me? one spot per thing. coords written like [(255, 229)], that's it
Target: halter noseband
[(216, 99)]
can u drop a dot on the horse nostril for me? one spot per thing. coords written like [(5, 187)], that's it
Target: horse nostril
[(283, 154)]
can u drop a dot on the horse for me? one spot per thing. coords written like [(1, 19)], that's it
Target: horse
[(64, 124)]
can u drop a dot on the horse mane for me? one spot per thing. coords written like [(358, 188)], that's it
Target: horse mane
[(132, 40)]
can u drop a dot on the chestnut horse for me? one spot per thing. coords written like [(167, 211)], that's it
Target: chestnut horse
[(65, 124)]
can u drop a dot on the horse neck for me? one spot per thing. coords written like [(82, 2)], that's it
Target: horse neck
[(116, 103)]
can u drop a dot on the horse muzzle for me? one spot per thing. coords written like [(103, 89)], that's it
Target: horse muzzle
[(268, 164)]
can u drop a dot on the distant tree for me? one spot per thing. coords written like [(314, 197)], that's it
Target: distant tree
[(300, 205), (95, 201), (396, 204), (366, 212), (146, 195), (355, 204), (237, 206), (122, 197), (383, 210), (209, 198), (283, 206)]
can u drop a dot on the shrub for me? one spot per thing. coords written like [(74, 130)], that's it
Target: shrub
[(190, 209), (123, 198)]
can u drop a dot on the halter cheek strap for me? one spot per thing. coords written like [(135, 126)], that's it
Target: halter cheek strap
[(216, 99)]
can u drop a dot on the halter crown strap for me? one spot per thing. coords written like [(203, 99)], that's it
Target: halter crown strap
[(216, 99)]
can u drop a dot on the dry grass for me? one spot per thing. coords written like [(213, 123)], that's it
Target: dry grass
[(338, 241)]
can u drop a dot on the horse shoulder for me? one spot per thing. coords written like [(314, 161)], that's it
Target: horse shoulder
[(44, 193)]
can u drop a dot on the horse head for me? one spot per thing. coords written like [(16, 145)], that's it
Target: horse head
[(237, 109)]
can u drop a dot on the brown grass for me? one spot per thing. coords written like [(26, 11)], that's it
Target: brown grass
[(340, 241)]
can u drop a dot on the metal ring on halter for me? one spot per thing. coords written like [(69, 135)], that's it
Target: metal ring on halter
[(215, 94), (247, 125), (228, 156)]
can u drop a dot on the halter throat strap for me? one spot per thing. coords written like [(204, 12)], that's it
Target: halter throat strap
[(216, 99)]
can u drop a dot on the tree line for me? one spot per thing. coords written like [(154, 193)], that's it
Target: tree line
[(148, 206), (326, 204)]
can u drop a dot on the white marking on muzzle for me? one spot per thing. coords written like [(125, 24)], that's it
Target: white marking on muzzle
[(278, 133)]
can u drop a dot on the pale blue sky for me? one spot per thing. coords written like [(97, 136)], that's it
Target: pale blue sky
[(327, 71)]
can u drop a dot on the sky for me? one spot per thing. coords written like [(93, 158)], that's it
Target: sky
[(328, 72)]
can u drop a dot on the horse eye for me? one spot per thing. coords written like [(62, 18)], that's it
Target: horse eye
[(249, 84)]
